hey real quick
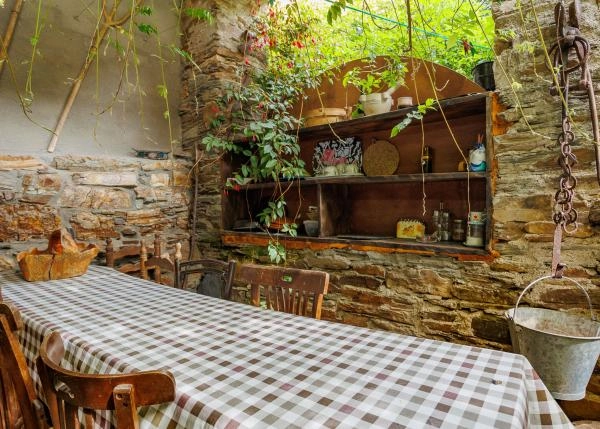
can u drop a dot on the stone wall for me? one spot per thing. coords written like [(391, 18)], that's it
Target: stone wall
[(528, 173), (101, 190), (218, 49), (97, 198), (442, 297)]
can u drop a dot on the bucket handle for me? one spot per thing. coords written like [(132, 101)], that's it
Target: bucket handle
[(514, 317)]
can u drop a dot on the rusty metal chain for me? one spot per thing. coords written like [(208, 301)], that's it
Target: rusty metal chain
[(571, 53), (564, 213)]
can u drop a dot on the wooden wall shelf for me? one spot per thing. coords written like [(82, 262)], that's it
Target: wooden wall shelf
[(376, 244), (354, 180), (452, 108), (370, 206)]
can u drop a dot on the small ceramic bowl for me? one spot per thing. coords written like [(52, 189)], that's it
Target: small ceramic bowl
[(404, 102)]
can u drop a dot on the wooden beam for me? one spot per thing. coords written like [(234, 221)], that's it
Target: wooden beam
[(10, 31)]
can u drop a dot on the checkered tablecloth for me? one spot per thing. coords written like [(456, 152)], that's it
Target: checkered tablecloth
[(239, 366)]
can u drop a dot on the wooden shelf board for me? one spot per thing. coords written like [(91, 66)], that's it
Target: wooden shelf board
[(463, 106), (377, 244), (357, 180)]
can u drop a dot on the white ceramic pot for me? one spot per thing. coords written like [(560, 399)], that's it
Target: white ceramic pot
[(375, 103)]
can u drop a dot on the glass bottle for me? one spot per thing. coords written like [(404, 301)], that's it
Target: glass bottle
[(445, 226), (426, 159)]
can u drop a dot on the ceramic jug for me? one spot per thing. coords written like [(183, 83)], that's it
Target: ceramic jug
[(375, 103), (378, 102)]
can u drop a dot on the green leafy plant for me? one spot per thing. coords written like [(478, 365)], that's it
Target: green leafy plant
[(413, 115), (370, 78), (254, 124), (253, 121)]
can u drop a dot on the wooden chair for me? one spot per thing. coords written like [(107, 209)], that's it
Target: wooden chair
[(160, 264), (141, 261), (68, 391), (216, 278), (286, 289), (127, 259), (20, 406)]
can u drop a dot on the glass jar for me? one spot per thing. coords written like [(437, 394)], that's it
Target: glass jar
[(458, 230), (475, 233)]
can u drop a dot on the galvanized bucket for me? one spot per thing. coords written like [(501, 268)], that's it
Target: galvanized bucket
[(562, 348)]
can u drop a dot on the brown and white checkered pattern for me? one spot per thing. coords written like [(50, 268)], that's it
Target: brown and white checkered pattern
[(239, 366)]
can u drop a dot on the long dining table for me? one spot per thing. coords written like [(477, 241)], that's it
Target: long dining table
[(239, 366)]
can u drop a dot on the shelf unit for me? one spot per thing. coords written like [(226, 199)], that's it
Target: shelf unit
[(360, 212)]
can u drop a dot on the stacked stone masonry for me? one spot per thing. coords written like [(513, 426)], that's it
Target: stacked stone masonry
[(95, 198), (442, 297)]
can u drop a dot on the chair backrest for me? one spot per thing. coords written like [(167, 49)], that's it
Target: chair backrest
[(20, 406), (160, 264), (67, 392), (127, 259), (291, 290), (215, 276)]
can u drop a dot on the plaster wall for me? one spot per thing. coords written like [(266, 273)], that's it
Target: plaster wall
[(116, 110)]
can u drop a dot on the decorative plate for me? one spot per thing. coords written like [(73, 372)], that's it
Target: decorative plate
[(381, 159), (334, 152)]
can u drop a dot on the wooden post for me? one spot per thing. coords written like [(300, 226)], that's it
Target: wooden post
[(10, 31)]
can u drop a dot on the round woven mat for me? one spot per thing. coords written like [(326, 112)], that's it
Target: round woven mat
[(380, 159)]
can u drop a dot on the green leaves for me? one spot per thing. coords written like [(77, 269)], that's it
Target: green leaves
[(148, 29), (198, 13), (142, 27), (162, 91), (370, 78), (145, 10), (335, 10), (416, 114), (276, 251), (256, 129)]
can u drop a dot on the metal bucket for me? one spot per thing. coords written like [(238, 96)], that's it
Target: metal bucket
[(562, 348)]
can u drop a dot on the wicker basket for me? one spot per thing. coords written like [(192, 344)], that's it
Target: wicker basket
[(326, 115), (62, 259)]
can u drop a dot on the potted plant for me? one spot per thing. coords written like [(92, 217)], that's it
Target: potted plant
[(483, 74), (376, 83)]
